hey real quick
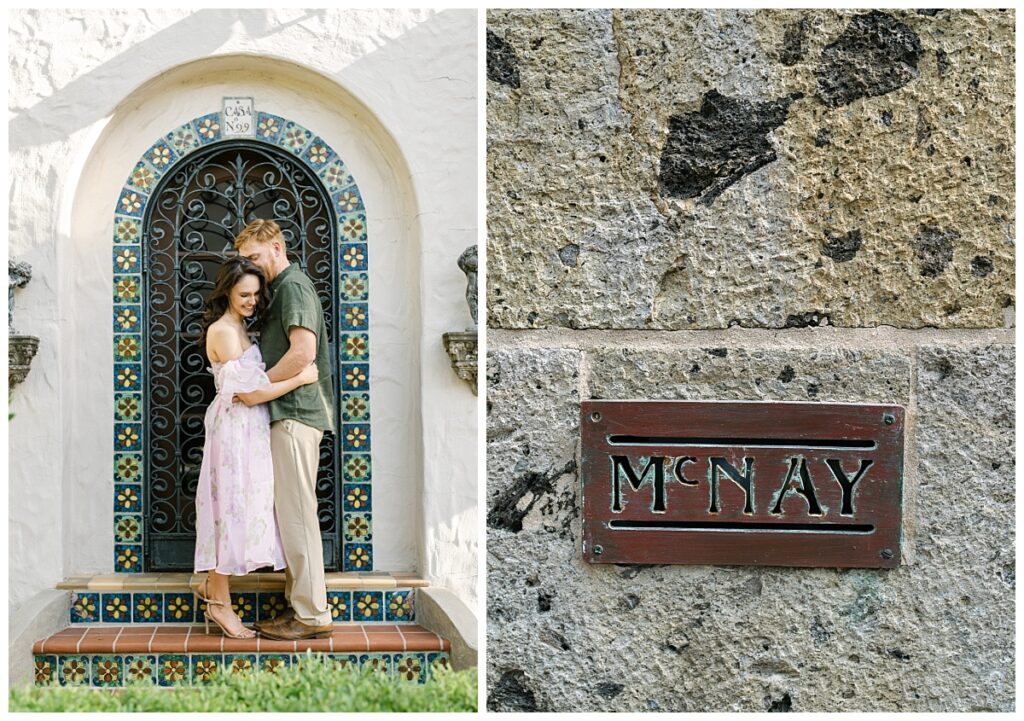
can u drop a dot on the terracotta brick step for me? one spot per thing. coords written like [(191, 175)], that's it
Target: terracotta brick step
[(188, 639)]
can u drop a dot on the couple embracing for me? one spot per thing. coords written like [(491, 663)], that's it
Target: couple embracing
[(256, 500)]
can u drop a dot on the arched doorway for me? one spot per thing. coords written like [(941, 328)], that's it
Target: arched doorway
[(186, 225)]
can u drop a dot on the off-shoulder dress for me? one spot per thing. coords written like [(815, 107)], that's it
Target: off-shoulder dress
[(236, 529)]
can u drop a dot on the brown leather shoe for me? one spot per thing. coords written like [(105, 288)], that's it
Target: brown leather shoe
[(286, 615), (295, 630)]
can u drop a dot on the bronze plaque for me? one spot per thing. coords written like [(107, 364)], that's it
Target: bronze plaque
[(731, 483)]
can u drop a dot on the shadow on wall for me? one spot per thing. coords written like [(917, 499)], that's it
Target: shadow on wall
[(61, 114)]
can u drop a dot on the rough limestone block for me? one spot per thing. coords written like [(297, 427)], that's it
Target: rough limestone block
[(935, 635), (965, 515), (680, 169), (532, 432)]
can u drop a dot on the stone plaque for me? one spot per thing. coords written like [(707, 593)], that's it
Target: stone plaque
[(730, 483), (239, 118)]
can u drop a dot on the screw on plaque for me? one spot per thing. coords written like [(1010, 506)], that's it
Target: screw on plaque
[(598, 550), (595, 417), (886, 553), (889, 419)]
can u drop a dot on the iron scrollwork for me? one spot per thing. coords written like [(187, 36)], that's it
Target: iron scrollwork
[(191, 222)]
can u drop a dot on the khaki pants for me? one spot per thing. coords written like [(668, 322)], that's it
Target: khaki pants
[(295, 449)]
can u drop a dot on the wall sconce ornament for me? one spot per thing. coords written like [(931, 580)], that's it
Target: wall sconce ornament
[(21, 348), (461, 346)]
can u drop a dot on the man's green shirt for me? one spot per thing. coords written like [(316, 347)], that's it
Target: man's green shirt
[(295, 303)]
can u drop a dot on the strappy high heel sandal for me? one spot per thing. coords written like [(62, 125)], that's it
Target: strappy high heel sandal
[(207, 617)]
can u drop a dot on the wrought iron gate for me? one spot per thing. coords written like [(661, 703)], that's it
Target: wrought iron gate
[(189, 227)]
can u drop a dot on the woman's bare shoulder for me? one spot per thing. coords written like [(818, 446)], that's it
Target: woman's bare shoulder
[(222, 342)]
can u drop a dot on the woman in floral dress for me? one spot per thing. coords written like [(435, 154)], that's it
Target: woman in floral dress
[(236, 529)]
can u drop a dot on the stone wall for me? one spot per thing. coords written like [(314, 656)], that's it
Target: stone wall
[(803, 205)]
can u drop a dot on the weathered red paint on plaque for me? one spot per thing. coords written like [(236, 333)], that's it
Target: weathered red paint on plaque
[(737, 483)]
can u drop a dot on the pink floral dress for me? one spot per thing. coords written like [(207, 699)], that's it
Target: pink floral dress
[(236, 529)]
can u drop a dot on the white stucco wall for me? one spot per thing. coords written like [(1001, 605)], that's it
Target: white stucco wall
[(394, 94)]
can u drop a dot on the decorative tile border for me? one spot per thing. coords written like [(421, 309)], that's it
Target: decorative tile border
[(352, 331), (146, 607), (116, 670)]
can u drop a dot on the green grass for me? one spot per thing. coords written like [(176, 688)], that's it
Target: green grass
[(318, 687)]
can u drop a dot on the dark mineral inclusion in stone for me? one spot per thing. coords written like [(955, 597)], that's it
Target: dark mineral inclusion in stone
[(842, 248), (502, 63), (875, 55), (934, 248), (710, 149)]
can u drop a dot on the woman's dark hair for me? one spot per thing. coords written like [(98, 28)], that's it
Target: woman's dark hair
[(233, 270)]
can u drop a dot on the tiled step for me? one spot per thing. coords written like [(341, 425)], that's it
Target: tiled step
[(181, 655), (377, 597)]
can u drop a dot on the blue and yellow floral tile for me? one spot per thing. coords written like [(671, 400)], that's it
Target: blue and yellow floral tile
[(355, 437), (318, 154), (347, 201), (352, 228), (127, 498), (116, 607), (142, 178), (398, 606), (205, 667), (355, 376), (357, 557), (335, 175), (273, 662), (179, 607), (173, 670), (270, 605), (74, 671), (128, 527), (355, 347), (127, 230), (128, 467), (240, 663), (208, 127), (268, 127), (354, 316), (353, 256), (294, 137), (160, 156), (128, 347), (410, 666), (147, 608), (126, 288), (437, 661), (356, 497), (128, 377), (357, 468), (340, 603), (127, 558), (376, 662), (355, 407), (46, 672), (140, 669), (127, 259), (131, 202), (355, 286), (246, 605), (85, 607), (358, 528), (127, 318), (127, 407), (183, 140)]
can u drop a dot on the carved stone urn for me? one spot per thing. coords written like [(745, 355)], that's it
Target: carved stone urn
[(461, 346), (22, 348)]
